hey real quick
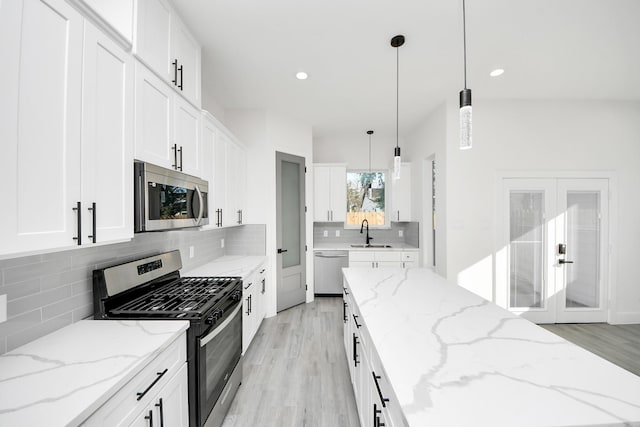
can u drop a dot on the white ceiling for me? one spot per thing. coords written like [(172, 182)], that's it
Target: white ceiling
[(550, 49)]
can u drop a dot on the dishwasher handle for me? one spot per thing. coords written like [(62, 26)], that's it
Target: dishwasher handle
[(340, 255)]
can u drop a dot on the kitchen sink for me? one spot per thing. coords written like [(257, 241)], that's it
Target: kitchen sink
[(370, 246)]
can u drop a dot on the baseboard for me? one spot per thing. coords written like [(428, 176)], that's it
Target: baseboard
[(625, 318)]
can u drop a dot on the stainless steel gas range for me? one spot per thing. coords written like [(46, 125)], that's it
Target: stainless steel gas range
[(151, 288)]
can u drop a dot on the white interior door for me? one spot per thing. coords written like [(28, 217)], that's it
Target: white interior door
[(554, 259)]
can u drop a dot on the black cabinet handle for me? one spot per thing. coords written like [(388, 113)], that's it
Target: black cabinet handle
[(175, 156), (376, 419), (93, 214), (175, 72), (345, 290), (78, 209), (355, 350), (180, 150), (355, 319), (159, 405), (382, 398), (239, 216), (180, 85), (159, 375), (218, 217), (150, 418), (344, 315)]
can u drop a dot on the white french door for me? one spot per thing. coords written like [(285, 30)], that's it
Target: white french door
[(553, 256)]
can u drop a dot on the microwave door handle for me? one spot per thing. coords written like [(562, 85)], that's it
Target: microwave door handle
[(201, 205)]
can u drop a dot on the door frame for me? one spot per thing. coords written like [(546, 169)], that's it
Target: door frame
[(501, 241), (280, 156)]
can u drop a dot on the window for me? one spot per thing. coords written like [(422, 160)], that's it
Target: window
[(366, 199)]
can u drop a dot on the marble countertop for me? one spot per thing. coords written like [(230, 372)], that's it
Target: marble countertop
[(347, 247), (455, 359), (233, 266), (62, 378)]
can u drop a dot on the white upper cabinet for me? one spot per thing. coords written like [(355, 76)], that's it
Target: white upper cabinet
[(401, 195), (187, 136), (41, 43), (154, 120), (236, 181), (165, 45), (107, 138), (329, 193), (218, 205), (117, 14), (66, 130)]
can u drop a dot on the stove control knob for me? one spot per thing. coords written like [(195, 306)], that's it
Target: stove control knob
[(210, 319)]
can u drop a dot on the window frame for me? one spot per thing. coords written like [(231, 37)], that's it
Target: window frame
[(387, 199)]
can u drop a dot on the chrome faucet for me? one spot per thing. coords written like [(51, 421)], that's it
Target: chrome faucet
[(368, 239)]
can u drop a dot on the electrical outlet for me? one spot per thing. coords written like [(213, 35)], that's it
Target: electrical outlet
[(192, 252), (222, 243), (3, 308), (325, 233), (337, 233), (400, 233)]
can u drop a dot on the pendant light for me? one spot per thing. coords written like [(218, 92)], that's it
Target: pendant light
[(370, 189), (465, 94), (396, 42)]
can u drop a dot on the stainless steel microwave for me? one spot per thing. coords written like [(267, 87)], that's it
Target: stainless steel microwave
[(167, 199)]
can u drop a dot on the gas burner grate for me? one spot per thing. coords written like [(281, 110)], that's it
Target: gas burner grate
[(185, 296)]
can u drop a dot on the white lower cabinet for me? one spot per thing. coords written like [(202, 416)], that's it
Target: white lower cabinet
[(253, 304), (375, 401), (382, 259), (158, 395)]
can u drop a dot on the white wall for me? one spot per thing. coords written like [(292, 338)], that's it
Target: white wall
[(542, 136), (353, 150), (428, 141), (264, 133)]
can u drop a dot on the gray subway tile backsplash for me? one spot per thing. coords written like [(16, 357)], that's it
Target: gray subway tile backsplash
[(46, 292), (352, 235)]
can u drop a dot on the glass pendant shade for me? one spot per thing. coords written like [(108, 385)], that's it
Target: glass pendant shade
[(465, 119), (396, 163)]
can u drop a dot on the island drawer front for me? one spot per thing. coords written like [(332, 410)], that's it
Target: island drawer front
[(389, 256), (410, 256), (362, 256), (392, 411), (124, 404)]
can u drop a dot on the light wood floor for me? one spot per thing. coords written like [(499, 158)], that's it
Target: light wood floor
[(295, 371), (619, 344)]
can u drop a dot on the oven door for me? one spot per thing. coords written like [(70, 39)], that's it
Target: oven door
[(220, 350)]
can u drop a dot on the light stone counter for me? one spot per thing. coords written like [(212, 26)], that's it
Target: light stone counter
[(230, 266), (347, 247), (62, 378), (455, 359)]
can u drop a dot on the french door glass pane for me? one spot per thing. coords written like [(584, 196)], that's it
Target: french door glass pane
[(583, 248), (526, 249), (290, 214)]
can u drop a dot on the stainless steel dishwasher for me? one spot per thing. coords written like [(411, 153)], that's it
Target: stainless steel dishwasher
[(328, 271)]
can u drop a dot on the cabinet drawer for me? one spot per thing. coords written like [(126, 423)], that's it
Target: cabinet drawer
[(409, 256), (361, 256), (389, 256), (119, 409)]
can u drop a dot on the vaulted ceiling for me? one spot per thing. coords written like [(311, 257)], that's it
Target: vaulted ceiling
[(550, 49)]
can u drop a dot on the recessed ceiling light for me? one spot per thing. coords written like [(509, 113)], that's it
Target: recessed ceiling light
[(302, 75), (497, 72)]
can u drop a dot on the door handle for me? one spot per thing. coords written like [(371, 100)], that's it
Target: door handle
[(281, 251), (562, 261)]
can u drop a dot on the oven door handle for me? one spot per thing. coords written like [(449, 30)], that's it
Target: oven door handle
[(205, 340), (201, 212)]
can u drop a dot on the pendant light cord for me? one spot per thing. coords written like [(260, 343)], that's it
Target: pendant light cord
[(464, 41), (397, 91), (369, 153)]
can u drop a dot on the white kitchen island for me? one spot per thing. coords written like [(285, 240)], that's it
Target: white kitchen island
[(447, 357)]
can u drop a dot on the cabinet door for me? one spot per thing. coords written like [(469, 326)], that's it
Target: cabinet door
[(107, 138), (207, 144), (322, 193), (171, 405), (401, 195), (220, 214), (338, 196), (186, 51), (236, 181), (248, 316), (40, 127), (154, 118), (187, 136), (153, 36)]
